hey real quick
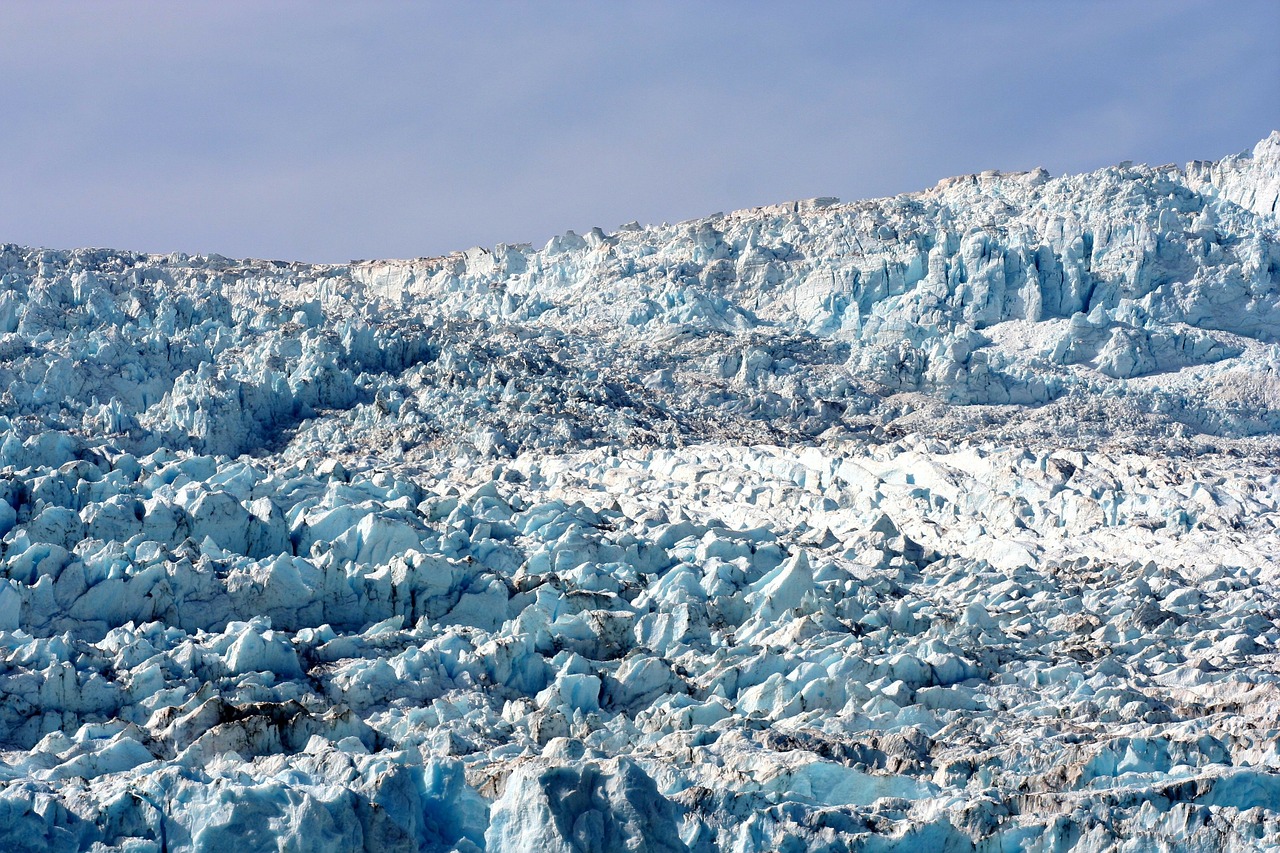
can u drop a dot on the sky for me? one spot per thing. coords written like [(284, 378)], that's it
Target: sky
[(327, 131)]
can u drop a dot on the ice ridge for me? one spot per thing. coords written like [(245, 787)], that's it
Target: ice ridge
[(946, 521)]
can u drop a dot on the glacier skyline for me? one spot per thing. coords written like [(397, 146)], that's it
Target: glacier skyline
[(947, 521), (945, 517)]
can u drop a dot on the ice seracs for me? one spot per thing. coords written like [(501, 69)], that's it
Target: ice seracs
[(945, 521), (1250, 179)]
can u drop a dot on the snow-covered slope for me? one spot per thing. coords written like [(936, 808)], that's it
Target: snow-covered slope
[(946, 521)]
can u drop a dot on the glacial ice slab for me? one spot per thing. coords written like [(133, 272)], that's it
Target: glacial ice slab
[(946, 521)]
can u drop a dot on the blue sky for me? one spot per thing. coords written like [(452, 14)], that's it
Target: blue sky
[(328, 131)]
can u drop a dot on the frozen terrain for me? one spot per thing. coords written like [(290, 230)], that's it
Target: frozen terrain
[(940, 522)]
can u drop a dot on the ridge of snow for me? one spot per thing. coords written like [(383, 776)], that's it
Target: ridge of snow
[(942, 521)]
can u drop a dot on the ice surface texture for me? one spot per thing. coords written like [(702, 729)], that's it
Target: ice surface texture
[(941, 522)]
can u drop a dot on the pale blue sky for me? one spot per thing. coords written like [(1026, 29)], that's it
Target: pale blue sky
[(328, 131)]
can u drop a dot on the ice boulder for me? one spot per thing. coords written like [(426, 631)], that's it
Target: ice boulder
[(592, 807)]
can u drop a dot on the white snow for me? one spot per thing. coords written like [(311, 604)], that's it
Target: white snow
[(945, 521)]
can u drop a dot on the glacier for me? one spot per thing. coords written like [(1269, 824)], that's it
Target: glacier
[(946, 521)]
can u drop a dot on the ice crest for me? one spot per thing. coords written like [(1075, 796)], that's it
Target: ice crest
[(946, 521)]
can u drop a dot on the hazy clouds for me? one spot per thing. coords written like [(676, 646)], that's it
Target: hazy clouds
[(326, 131)]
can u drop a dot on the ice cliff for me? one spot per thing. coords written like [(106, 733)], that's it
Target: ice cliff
[(938, 522)]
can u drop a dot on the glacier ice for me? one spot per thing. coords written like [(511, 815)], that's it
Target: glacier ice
[(940, 522)]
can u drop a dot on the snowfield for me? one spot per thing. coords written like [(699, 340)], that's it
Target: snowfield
[(940, 522)]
